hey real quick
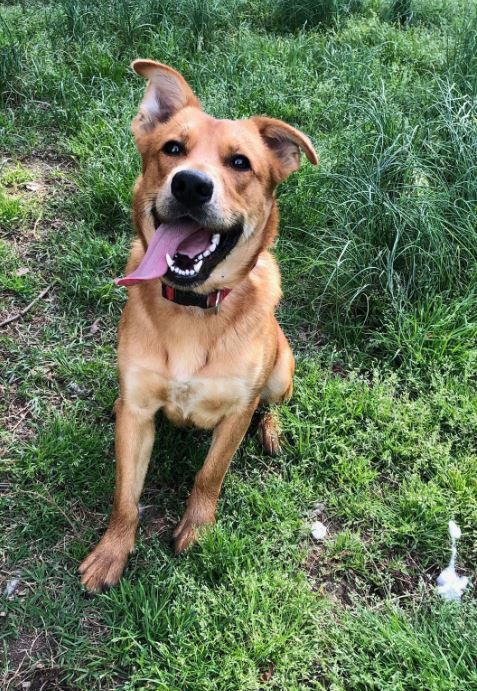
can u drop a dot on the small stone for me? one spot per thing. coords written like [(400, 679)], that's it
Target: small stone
[(319, 531), (77, 390), (11, 587), (32, 186), (95, 326)]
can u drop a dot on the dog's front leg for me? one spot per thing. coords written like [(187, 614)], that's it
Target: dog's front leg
[(134, 440), (202, 501)]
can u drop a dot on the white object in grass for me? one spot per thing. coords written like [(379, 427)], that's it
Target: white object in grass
[(11, 587), (319, 531), (450, 586)]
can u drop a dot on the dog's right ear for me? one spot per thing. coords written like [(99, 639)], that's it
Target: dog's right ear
[(167, 92)]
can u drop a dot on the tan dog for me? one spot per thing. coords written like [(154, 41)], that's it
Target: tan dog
[(198, 338)]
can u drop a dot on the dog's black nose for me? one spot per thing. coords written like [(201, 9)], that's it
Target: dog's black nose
[(191, 187)]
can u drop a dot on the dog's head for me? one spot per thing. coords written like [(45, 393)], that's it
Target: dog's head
[(205, 200)]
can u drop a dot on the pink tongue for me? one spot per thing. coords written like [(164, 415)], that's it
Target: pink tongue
[(195, 243), (183, 235)]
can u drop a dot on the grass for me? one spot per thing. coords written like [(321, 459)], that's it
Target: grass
[(379, 262)]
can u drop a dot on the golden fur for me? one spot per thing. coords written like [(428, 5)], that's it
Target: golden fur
[(197, 366)]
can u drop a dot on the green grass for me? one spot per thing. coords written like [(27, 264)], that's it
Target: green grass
[(378, 250)]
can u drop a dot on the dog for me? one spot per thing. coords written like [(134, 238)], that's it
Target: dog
[(198, 337)]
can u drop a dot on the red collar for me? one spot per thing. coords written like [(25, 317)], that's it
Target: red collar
[(188, 298)]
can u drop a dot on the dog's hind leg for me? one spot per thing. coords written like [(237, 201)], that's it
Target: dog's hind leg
[(278, 388), (202, 501), (134, 440), (269, 433)]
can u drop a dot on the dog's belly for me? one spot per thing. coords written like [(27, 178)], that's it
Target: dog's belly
[(204, 401)]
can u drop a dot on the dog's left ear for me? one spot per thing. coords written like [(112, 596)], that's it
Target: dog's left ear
[(167, 92), (285, 143)]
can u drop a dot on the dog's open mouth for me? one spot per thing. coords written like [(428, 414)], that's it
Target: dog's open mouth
[(183, 252)]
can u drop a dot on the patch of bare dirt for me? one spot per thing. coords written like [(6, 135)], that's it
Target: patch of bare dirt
[(154, 523), (15, 417), (27, 650), (339, 370), (309, 337), (31, 665), (317, 566), (325, 580), (403, 582), (345, 585), (329, 577)]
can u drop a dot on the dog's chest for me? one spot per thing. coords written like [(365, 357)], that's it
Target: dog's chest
[(203, 401), (200, 392)]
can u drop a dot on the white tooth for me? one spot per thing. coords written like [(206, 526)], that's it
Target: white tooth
[(170, 262), (216, 238), (206, 253), (175, 269), (197, 266)]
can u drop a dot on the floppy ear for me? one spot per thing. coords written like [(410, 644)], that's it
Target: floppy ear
[(285, 142), (167, 92)]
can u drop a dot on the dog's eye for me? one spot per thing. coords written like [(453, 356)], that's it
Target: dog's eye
[(240, 162), (173, 148)]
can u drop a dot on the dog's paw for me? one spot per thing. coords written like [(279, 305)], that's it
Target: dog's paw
[(104, 566), (186, 531), (269, 434)]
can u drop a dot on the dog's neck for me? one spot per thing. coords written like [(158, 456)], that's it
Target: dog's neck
[(188, 298)]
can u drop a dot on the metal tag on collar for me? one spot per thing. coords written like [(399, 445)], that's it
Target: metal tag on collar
[(218, 301)]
